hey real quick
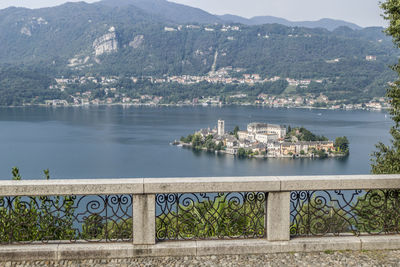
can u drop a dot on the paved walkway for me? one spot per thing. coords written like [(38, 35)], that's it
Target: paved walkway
[(327, 258)]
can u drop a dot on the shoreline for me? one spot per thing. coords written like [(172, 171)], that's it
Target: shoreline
[(311, 156), (194, 105)]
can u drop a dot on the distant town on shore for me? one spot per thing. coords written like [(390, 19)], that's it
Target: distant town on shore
[(263, 140), (109, 92)]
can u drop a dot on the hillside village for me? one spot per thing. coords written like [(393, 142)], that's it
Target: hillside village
[(238, 83), (262, 140), (106, 90)]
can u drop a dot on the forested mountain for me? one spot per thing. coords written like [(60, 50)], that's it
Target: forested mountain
[(133, 38), (18, 84), (169, 11), (125, 38)]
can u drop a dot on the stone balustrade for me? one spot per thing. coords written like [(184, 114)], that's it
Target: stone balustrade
[(120, 218)]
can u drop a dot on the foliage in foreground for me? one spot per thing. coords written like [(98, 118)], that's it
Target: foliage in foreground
[(372, 212), (218, 218), (387, 159), (315, 218), (53, 218)]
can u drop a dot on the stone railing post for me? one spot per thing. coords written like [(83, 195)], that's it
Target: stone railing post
[(144, 222), (278, 216)]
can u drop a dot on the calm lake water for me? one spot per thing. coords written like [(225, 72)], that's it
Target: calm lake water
[(122, 142)]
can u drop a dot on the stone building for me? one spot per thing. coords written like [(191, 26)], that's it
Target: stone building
[(262, 132), (221, 127), (264, 128)]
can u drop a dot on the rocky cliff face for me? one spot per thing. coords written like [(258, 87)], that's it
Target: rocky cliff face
[(107, 43), (31, 25), (137, 41), (26, 31)]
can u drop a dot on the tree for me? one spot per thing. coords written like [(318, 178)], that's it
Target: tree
[(220, 146), (342, 144), (235, 131), (197, 142), (26, 218), (93, 227), (321, 154), (223, 216), (387, 158), (187, 139), (242, 153), (303, 134), (209, 137), (313, 217), (378, 211), (16, 176), (210, 145)]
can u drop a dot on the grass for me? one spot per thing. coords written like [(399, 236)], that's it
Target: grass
[(289, 89)]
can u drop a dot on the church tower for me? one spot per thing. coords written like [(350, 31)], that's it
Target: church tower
[(221, 127)]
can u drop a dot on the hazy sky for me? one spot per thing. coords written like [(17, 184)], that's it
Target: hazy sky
[(361, 12)]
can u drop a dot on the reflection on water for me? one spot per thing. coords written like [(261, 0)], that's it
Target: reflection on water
[(96, 142)]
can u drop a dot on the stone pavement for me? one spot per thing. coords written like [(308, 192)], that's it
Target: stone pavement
[(327, 258)]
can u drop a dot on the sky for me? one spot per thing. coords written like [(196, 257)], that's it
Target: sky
[(362, 12)]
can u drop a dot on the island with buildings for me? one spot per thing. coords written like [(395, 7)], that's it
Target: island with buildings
[(262, 140)]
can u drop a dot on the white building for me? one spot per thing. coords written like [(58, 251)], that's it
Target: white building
[(265, 138), (206, 132), (231, 142), (169, 29), (273, 149), (232, 150), (263, 133), (264, 128), (243, 135)]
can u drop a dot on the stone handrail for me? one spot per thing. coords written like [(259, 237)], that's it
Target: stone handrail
[(139, 186)]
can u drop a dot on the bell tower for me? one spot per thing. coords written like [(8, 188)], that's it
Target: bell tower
[(221, 127)]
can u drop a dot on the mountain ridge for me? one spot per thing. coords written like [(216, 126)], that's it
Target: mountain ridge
[(327, 23), (191, 14), (179, 13), (171, 11)]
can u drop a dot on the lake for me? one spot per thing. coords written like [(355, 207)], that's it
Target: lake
[(128, 142)]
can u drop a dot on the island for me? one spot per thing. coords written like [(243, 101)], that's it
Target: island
[(263, 140)]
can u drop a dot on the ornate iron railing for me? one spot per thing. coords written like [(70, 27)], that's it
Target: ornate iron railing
[(210, 216), (100, 218), (144, 211), (359, 212)]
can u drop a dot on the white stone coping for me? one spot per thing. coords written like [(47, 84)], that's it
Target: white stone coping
[(71, 187), (196, 185), (55, 252)]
